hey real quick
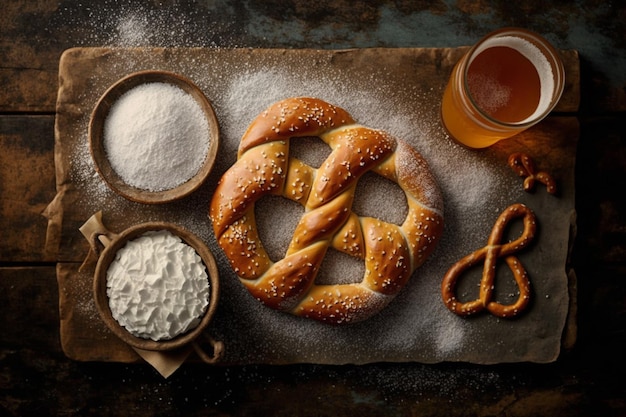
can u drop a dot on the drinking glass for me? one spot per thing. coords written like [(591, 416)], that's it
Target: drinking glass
[(509, 81)]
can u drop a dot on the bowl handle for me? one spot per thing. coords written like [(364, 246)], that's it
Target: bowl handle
[(216, 346), (96, 233)]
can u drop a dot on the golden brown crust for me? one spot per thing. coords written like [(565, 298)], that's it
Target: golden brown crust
[(524, 166), (489, 255), (391, 252)]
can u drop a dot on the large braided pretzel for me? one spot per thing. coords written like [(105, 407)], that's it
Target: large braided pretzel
[(391, 252)]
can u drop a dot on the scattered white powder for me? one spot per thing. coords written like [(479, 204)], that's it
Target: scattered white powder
[(416, 325), (449, 335), (158, 287), (474, 185), (156, 137), (132, 24)]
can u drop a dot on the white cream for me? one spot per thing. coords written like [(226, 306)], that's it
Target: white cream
[(158, 287)]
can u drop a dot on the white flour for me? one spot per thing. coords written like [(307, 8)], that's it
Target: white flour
[(156, 137)]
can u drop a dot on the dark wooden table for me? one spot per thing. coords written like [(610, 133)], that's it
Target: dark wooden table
[(37, 379)]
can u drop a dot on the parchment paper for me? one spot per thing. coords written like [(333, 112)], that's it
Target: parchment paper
[(397, 90)]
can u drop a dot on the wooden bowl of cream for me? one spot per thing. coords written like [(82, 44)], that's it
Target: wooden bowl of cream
[(156, 285), (153, 137)]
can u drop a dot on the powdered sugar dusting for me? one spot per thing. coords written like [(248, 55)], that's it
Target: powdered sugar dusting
[(135, 24), (416, 325), (373, 109)]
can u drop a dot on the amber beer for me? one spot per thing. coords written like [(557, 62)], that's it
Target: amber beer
[(507, 82)]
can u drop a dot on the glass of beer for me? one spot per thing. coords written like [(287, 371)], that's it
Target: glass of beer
[(510, 80)]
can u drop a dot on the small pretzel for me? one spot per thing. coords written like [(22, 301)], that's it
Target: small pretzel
[(489, 255), (391, 253), (524, 166)]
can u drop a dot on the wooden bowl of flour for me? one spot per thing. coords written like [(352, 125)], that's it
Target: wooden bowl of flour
[(153, 137)]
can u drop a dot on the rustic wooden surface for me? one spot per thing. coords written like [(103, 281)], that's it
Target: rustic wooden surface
[(37, 379)]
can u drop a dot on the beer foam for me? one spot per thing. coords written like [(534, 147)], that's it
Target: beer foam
[(539, 61), (491, 95)]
